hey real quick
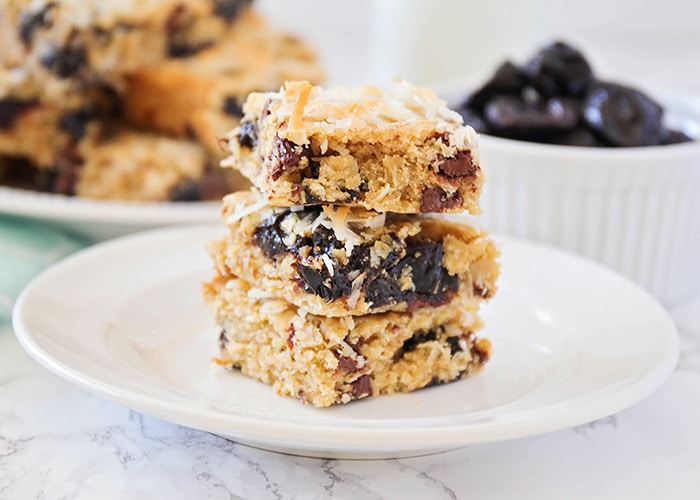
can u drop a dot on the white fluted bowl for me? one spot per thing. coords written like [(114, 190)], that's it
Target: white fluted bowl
[(636, 210)]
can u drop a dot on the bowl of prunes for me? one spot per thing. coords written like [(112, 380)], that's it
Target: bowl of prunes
[(597, 167)]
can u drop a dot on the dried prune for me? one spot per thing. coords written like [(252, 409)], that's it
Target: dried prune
[(29, 22), (75, 122), (384, 283), (248, 134), (268, 236), (313, 281), (229, 9), (179, 49), (507, 80), (11, 108), (65, 61), (418, 338), (232, 107), (185, 190), (623, 116), (559, 70), (68, 164), (555, 98), (515, 118), (287, 156)]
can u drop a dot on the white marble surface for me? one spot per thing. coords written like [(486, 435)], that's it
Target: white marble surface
[(58, 441)]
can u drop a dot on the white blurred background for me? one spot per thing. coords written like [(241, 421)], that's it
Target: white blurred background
[(639, 42)]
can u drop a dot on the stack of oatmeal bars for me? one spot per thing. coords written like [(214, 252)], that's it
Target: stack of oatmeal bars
[(126, 99), (339, 277)]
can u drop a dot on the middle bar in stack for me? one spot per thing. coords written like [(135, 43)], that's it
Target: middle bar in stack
[(322, 289)]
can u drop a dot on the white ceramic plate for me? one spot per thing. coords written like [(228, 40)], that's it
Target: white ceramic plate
[(572, 342), (100, 220)]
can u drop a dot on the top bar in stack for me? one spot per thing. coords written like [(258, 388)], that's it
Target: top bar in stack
[(397, 150)]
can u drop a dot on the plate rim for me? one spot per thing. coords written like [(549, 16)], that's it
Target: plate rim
[(56, 207), (373, 442)]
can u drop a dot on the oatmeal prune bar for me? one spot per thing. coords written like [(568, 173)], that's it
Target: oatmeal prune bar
[(80, 148), (339, 261), (137, 166), (201, 96), (31, 130), (326, 361), (396, 150), (70, 42), (67, 153)]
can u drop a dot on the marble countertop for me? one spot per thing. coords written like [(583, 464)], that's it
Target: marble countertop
[(58, 441)]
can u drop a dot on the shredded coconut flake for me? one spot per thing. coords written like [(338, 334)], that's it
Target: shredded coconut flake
[(356, 290), (329, 263), (336, 220), (258, 293), (244, 211)]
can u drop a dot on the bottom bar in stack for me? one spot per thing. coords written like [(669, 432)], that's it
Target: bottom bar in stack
[(330, 360)]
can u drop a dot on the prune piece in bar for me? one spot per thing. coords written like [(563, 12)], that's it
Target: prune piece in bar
[(623, 116), (507, 80), (313, 282), (229, 9), (268, 236), (288, 156), (75, 122), (232, 107), (185, 190), (177, 19), (559, 70), (248, 134), (180, 50), (431, 283), (11, 108), (420, 337), (177, 23), (425, 261), (421, 260), (65, 61), (29, 22), (63, 178)]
